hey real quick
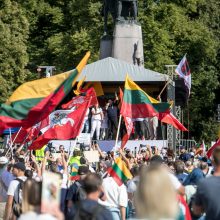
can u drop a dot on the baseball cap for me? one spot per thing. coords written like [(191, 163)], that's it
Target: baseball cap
[(83, 170), (3, 160), (20, 166)]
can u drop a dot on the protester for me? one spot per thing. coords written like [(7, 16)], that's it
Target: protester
[(85, 194), (104, 125), (116, 198), (131, 189), (197, 174), (153, 124), (13, 204), (76, 193), (156, 196), (208, 192), (5, 178), (112, 112), (85, 127), (97, 117), (89, 208), (179, 170), (157, 160), (184, 156), (31, 205)]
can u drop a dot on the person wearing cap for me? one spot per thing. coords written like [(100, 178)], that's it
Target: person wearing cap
[(75, 158), (73, 193), (5, 178), (18, 171)]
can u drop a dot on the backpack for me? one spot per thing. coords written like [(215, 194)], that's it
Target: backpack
[(17, 200), (82, 214), (80, 192)]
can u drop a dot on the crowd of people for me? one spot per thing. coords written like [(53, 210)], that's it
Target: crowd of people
[(163, 185), (102, 123)]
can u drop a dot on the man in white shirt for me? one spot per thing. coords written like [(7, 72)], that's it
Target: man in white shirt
[(18, 172), (117, 198)]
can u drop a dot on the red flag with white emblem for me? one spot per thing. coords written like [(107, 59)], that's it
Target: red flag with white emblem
[(62, 126)]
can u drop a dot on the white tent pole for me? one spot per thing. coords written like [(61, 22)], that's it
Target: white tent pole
[(119, 125)]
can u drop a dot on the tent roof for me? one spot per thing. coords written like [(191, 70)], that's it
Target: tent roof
[(114, 70)]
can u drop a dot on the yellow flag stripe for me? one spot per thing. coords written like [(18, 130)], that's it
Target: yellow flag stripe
[(43, 87), (38, 88), (123, 167), (131, 85)]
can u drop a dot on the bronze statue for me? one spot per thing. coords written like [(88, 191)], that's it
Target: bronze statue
[(127, 8), (109, 6), (120, 10)]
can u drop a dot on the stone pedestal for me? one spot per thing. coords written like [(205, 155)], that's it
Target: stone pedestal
[(128, 43), (105, 47)]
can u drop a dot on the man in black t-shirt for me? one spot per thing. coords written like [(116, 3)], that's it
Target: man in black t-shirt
[(89, 207), (207, 197), (74, 192), (112, 112)]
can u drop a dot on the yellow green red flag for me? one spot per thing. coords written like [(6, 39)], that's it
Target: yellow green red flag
[(33, 101), (138, 104)]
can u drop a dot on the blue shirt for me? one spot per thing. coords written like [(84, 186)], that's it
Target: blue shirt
[(194, 177), (89, 207), (181, 177)]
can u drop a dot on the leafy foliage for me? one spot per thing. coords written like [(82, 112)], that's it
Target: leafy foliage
[(14, 29)]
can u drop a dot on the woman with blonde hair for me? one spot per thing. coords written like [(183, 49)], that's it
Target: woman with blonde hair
[(155, 198), (31, 203)]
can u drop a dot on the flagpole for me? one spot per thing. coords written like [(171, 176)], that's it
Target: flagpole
[(119, 125), (167, 83), (12, 142), (188, 116)]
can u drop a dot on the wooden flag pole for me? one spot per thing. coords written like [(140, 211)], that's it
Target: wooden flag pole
[(168, 81), (119, 125)]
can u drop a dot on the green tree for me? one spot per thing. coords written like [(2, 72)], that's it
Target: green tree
[(14, 29)]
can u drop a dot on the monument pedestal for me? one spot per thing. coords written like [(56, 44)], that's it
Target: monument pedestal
[(106, 47), (127, 43)]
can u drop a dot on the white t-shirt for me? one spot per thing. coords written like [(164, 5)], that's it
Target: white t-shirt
[(116, 195), (12, 189), (98, 116)]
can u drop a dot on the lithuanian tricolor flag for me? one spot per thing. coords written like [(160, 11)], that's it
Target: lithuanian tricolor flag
[(119, 171), (74, 172), (33, 101), (138, 104)]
